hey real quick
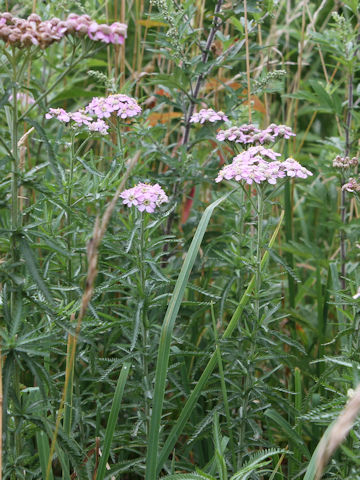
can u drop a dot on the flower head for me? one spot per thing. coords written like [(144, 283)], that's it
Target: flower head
[(78, 119), (252, 167), (22, 32), (208, 115), (59, 113), (144, 197), (345, 162), (124, 106), (250, 135), (352, 186), (243, 134), (99, 126), (294, 169), (282, 131)]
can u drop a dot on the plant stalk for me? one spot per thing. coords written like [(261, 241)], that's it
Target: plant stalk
[(343, 193), (15, 221)]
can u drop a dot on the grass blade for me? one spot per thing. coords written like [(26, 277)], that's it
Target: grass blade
[(312, 467), (111, 424), (165, 339)]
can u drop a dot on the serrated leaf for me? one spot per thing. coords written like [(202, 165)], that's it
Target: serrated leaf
[(30, 263)]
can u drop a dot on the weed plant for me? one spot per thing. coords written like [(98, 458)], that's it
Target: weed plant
[(179, 296)]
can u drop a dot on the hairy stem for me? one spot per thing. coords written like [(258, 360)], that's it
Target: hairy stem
[(15, 222), (145, 323), (343, 193)]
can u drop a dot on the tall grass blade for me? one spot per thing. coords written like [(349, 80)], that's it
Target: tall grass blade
[(165, 339), (312, 467), (114, 413), (43, 450)]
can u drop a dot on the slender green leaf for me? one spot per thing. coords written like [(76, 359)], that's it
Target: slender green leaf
[(30, 263), (112, 421)]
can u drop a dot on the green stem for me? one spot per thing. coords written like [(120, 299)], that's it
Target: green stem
[(69, 203), (288, 235), (120, 142), (249, 379), (260, 216), (145, 322), (15, 222), (224, 391), (69, 391)]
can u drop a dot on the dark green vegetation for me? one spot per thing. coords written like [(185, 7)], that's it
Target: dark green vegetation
[(240, 376)]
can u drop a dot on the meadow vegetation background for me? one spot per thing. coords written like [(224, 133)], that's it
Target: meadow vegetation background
[(215, 334)]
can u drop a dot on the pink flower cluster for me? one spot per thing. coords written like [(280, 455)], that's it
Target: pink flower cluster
[(352, 186), (99, 108), (123, 105), (345, 162), (82, 25), (250, 135), (251, 166), (22, 32), (208, 115), (79, 118), (24, 98), (144, 197)]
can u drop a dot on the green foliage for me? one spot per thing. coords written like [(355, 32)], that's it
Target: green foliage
[(204, 353)]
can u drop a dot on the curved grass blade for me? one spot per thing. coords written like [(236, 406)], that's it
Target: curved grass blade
[(165, 339), (114, 413), (193, 398), (312, 467)]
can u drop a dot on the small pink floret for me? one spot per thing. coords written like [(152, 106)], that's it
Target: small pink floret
[(208, 115), (144, 197)]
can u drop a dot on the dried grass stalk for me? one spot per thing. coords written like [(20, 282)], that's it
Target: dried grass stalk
[(338, 433)]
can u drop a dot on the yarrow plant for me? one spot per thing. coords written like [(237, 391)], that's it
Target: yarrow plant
[(256, 169), (124, 106), (345, 162), (23, 33), (144, 197), (251, 135), (252, 165), (79, 119), (352, 186), (208, 115), (104, 107)]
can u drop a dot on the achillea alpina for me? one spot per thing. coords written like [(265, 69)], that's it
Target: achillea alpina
[(208, 115), (352, 186), (144, 197), (122, 105), (23, 33)]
